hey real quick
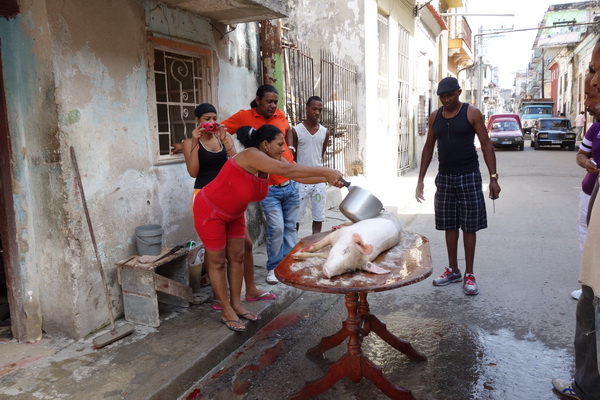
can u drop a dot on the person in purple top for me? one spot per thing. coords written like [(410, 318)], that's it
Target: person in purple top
[(585, 384), (589, 152), (588, 155)]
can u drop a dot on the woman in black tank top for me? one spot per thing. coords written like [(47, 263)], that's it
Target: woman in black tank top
[(205, 154)]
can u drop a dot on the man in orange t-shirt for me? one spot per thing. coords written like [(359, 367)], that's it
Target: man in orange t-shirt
[(283, 201)]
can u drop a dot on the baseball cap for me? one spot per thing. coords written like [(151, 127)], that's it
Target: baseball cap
[(447, 85)]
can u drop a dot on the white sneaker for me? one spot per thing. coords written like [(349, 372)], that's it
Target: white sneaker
[(271, 278), (576, 294)]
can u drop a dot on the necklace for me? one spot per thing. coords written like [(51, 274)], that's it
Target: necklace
[(448, 120)]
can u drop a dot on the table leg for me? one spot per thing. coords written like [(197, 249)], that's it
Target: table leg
[(375, 325), (372, 324), (329, 342), (353, 364)]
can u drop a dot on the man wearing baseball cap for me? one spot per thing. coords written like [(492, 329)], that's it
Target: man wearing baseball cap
[(459, 202)]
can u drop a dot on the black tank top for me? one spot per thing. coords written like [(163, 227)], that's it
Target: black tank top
[(210, 164), (456, 142)]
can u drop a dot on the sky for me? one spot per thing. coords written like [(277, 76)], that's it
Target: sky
[(510, 52)]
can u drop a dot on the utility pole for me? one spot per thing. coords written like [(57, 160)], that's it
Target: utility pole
[(479, 58), (543, 78)]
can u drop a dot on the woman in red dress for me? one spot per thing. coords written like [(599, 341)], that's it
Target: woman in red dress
[(219, 210)]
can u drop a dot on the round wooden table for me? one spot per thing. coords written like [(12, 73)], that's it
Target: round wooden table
[(409, 262)]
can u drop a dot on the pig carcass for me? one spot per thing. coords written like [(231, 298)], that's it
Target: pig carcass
[(355, 247)]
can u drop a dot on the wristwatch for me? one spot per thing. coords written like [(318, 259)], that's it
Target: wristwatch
[(495, 176)]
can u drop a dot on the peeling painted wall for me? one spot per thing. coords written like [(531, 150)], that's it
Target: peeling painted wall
[(348, 29), (338, 27), (80, 74)]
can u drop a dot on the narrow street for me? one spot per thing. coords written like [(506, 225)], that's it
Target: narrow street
[(504, 344)]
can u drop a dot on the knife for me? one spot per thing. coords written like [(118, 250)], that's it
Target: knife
[(170, 252)]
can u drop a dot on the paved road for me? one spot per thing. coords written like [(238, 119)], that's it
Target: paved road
[(504, 344)]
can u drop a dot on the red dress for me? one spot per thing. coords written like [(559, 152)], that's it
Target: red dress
[(219, 208)]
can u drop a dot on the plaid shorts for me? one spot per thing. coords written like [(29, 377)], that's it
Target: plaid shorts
[(459, 202)]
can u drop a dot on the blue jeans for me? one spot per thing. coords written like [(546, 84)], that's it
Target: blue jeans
[(281, 211)]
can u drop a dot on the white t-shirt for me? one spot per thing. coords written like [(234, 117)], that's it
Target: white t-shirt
[(310, 147)]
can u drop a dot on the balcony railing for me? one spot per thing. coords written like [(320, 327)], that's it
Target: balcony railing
[(459, 28), (463, 31)]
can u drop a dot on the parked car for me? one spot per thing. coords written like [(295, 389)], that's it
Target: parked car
[(553, 132), (505, 131), (492, 118)]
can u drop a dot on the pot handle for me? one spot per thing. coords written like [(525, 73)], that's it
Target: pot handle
[(346, 183)]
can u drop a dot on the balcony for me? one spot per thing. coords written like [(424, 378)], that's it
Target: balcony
[(459, 40), (233, 12)]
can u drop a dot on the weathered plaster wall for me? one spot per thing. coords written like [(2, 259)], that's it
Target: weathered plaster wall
[(348, 29), (80, 74), (338, 27), (236, 67), (39, 192), (101, 93)]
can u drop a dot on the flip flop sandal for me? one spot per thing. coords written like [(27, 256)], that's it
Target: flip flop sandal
[(249, 316), (216, 305), (232, 327), (264, 296)]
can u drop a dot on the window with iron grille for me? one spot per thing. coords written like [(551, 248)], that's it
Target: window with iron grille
[(182, 79), (404, 155)]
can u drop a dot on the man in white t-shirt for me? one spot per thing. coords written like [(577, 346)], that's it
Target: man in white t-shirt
[(310, 140), (579, 124)]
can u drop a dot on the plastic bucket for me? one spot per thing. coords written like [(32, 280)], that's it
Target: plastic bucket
[(149, 239)]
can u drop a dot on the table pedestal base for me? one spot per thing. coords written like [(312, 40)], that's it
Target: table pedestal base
[(354, 364)]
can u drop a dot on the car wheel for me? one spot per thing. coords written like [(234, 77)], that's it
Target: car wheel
[(531, 143), (522, 146), (536, 145), (572, 147)]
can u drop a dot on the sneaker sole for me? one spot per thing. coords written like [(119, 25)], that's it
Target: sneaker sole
[(471, 293), (448, 282)]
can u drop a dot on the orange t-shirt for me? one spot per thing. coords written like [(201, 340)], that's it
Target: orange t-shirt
[(252, 118)]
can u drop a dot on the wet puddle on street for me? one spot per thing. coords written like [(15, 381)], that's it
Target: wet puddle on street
[(469, 363), (464, 362)]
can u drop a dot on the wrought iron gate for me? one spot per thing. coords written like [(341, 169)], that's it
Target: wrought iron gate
[(338, 89), (298, 80), (339, 94)]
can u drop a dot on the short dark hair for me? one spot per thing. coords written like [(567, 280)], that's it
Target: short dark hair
[(250, 137), (313, 98), (260, 93)]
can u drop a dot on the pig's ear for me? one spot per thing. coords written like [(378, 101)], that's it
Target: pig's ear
[(375, 269), (360, 245)]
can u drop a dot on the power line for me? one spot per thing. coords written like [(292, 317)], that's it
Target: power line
[(535, 29)]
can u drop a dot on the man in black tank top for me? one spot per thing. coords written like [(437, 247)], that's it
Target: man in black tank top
[(459, 201)]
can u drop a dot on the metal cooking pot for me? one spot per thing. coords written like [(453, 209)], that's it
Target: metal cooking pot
[(359, 204)]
